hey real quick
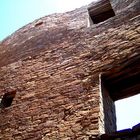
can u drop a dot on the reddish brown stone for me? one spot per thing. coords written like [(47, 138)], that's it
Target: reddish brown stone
[(61, 70)]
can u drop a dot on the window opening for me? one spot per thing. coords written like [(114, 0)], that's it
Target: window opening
[(100, 12), (7, 99)]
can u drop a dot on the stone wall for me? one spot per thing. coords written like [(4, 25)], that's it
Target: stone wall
[(107, 109), (51, 100), (54, 64)]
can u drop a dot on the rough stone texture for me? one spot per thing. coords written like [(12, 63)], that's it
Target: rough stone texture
[(54, 65), (107, 113)]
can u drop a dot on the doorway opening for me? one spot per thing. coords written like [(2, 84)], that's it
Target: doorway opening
[(117, 84)]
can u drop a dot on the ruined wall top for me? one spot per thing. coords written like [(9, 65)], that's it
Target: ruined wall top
[(57, 26)]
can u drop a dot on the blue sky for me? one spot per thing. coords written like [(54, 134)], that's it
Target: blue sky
[(16, 13)]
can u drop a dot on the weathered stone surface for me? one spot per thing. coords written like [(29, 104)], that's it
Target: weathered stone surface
[(54, 64)]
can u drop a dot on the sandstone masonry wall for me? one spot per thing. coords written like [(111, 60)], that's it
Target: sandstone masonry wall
[(54, 65)]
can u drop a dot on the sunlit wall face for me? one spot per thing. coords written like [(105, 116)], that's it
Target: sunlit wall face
[(127, 111)]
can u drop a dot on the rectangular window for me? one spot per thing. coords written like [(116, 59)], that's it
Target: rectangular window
[(100, 12)]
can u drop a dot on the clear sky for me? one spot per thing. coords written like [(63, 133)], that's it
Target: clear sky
[(128, 113), (16, 13)]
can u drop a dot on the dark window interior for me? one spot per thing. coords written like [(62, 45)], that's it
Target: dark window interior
[(7, 99), (125, 82), (101, 12), (102, 16)]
